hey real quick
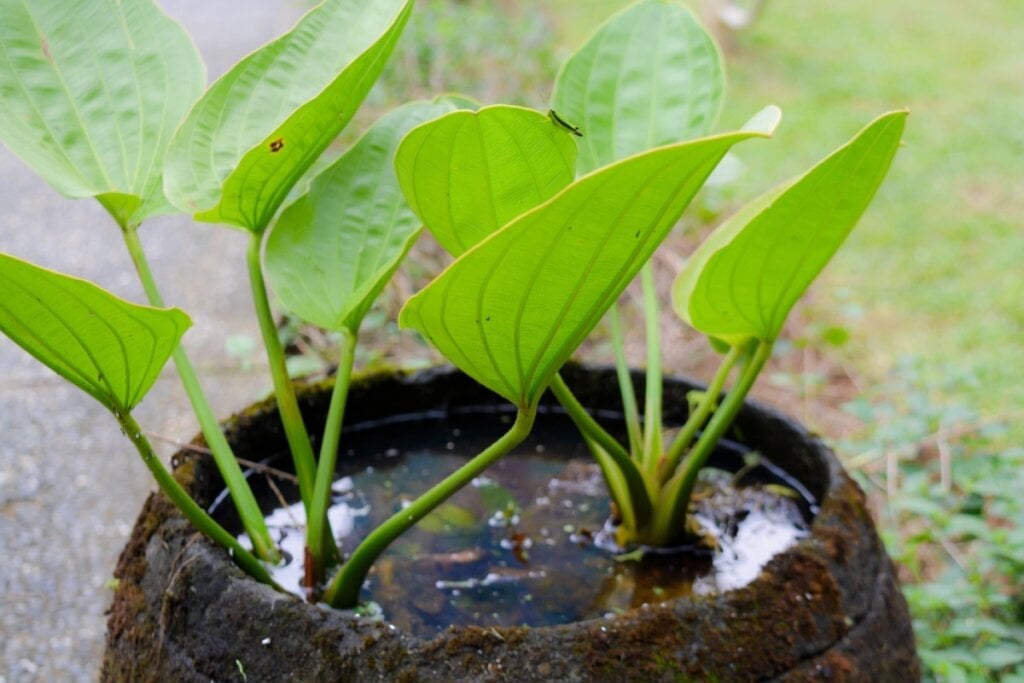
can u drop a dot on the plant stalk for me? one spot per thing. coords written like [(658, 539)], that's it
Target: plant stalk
[(675, 498), (193, 513), (287, 405), (699, 416), (245, 502), (639, 492), (634, 429), (343, 591), (652, 392), (616, 483), (316, 529)]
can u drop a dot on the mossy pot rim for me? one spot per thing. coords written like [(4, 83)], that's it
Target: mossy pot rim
[(840, 569)]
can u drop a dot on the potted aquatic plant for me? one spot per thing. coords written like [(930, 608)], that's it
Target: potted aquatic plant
[(549, 215)]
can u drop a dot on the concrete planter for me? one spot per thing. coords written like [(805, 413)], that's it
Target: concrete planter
[(829, 608)]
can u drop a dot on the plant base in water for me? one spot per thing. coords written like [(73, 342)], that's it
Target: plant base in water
[(829, 605), (517, 546)]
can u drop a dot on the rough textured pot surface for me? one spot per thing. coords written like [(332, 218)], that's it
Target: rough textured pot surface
[(829, 608)]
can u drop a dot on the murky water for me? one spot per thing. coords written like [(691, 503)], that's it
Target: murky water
[(517, 546)]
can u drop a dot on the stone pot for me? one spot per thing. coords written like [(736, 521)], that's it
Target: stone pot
[(829, 608)]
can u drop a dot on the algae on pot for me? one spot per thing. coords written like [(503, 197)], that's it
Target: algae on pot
[(541, 253)]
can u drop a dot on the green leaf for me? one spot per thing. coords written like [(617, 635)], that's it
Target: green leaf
[(511, 310), (650, 76), (448, 516), (743, 280), (1001, 655), (92, 91), (333, 250), (108, 347), (494, 496), (469, 173), (261, 125)]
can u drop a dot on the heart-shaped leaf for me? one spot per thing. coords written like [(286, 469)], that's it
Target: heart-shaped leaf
[(333, 250), (260, 126), (511, 310), (108, 347), (469, 173), (743, 280), (650, 76), (92, 91)]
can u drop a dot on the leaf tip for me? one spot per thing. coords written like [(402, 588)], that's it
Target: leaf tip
[(184, 319), (405, 315), (764, 122)]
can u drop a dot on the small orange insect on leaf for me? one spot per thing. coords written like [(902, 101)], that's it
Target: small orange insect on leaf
[(277, 145)]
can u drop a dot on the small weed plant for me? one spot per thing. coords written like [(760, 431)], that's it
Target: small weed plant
[(949, 483), (550, 215)]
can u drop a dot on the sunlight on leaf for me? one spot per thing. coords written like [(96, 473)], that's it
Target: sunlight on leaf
[(261, 125), (743, 280), (92, 92), (469, 173), (110, 348), (510, 311), (650, 76), (333, 250)]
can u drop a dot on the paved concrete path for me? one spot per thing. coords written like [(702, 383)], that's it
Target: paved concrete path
[(70, 485)]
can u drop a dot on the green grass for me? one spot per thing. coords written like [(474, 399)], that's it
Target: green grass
[(934, 266)]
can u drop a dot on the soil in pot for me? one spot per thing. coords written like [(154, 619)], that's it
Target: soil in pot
[(529, 543), (827, 608)]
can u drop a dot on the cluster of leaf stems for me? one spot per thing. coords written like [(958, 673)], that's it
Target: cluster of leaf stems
[(652, 483)]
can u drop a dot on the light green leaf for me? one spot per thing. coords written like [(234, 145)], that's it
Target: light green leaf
[(650, 76), (92, 91), (260, 126), (511, 310), (743, 280), (108, 347), (469, 173), (333, 250)]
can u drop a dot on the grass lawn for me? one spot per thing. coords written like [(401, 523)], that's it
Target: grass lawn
[(936, 263)]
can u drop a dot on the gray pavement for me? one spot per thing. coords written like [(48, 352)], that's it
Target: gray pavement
[(70, 485)]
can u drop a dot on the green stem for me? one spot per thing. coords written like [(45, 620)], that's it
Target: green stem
[(675, 498), (287, 405), (316, 531), (193, 513), (245, 502), (633, 426), (652, 400), (617, 485), (640, 494), (344, 588), (699, 416)]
